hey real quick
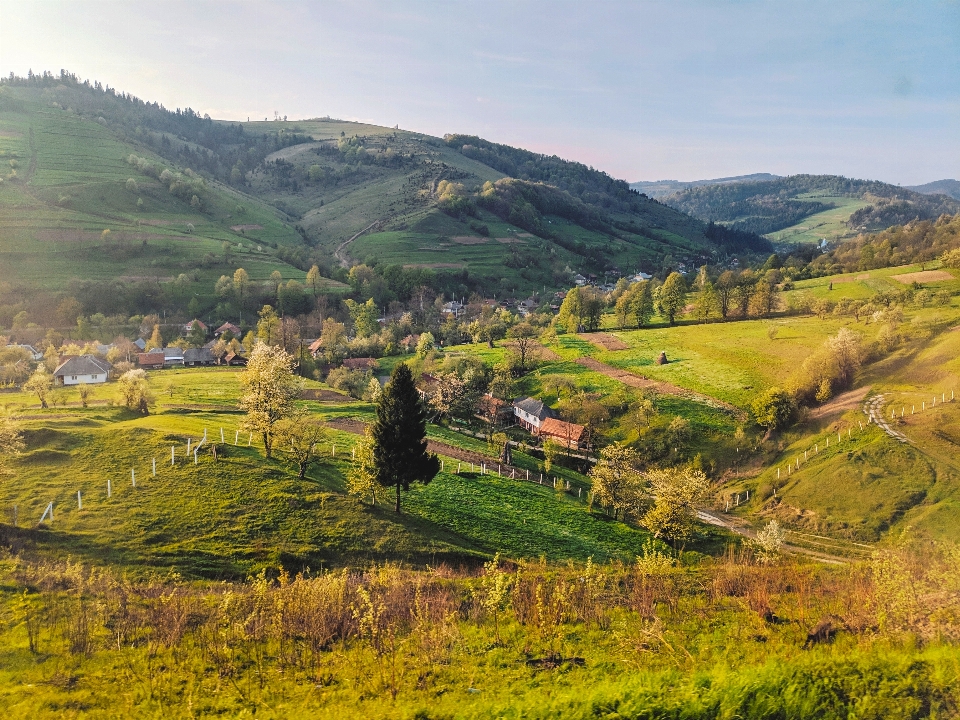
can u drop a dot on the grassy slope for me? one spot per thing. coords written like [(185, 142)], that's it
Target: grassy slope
[(232, 517), (71, 186), (829, 224)]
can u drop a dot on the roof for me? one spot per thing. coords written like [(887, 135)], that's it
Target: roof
[(82, 365), (196, 322), (227, 326), (534, 407), (150, 358), (197, 355), (140, 343), (360, 363), (172, 352), (490, 404), (568, 432)]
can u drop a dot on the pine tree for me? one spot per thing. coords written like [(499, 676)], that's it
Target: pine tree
[(399, 434)]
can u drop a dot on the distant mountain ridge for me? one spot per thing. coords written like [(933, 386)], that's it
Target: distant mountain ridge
[(662, 188), (939, 187), (768, 206)]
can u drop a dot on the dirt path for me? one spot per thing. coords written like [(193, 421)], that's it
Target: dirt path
[(339, 252), (605, 341), (873, 409), (840, 404), (665, 388)]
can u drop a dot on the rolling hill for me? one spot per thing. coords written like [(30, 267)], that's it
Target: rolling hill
[(938, 187), (173, 186), (807, 208), (658, 189)]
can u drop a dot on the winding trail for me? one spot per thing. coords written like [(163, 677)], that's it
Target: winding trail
[(339, 252), (873, 409)]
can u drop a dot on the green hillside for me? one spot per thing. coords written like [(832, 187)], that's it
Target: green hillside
[(331, 193), (804, 208)]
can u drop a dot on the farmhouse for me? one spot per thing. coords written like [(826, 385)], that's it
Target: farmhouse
[(531, 413), (150, 360), (82, 369), (227, 328), (570, 435), (172, 356), (494, 410), (198, 356), (190, 325)]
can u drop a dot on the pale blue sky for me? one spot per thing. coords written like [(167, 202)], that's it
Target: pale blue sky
[(679, 89)]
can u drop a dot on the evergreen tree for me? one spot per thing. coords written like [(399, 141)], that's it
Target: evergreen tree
[(399, 434)]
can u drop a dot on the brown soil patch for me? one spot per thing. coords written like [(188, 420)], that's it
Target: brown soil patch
[(665, 388), (840, 404), (510, 241), (524, 235), (469, 240), (238, 228), (850, 278), (604, 340), (922, 277), (322, 395), (537, 351)]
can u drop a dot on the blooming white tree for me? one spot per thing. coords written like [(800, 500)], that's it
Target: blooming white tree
[(269, 388)]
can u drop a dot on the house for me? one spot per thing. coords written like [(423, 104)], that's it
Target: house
[(316, 347), (82, 369), (198, 356), (361, 364), (232, 359), (427, 385), (525, 307), (570, 435), (172, 356), (580, 280), (151, 360), (34, 354), (227, 327), (531, 413), (190, 325), (641, 277), (495, 411), (452, 308), (141, 344)]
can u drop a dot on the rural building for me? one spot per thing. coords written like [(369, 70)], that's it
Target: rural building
[(227, 327), (189, 326), (34, 355), (172, 356), (570, 435), (361, 364), (495, 411), (231, 358), (316, 347), (141, 344), (198, 356), (452, 308), (427, 385), (531, 413), (151, 360), (82, 369), (580, 280)]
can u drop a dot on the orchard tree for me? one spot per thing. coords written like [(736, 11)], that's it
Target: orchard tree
[(774, 409), (39, 384), (362, 477), (134, 392), (675, 494), (300, 436), (400, 445), (617, 483), (269, 388), (672, 296), (524, 343)]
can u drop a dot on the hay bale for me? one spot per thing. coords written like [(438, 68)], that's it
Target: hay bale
[(662, 359)]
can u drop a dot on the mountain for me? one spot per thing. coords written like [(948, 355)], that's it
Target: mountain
[(287, 195), (939, 187), (776, 205), (662, 188)]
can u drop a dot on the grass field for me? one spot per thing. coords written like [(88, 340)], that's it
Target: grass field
[(830, 225)]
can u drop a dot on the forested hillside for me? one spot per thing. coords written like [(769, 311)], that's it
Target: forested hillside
[(765, 207)]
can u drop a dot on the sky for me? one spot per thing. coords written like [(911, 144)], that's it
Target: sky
[(642, 89)]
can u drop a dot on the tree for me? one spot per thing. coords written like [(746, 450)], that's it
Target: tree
[(39, 384), (593, 307), (707, 303), (672, 296), (524, 341), (725, 286), (552, 451), (197, 335), (769, 542), (300, 436), (675, 492), (622, 307), (313, 279), (269, 389), (83, 390), (362, 477), (241, 281), (449, 394), (773, 409), (571, 310), (400, 445), (847, 352), (156, 340), (641, 303), (425, 344), (616, 481), (364, 316), (134, 392), (268, 327)]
